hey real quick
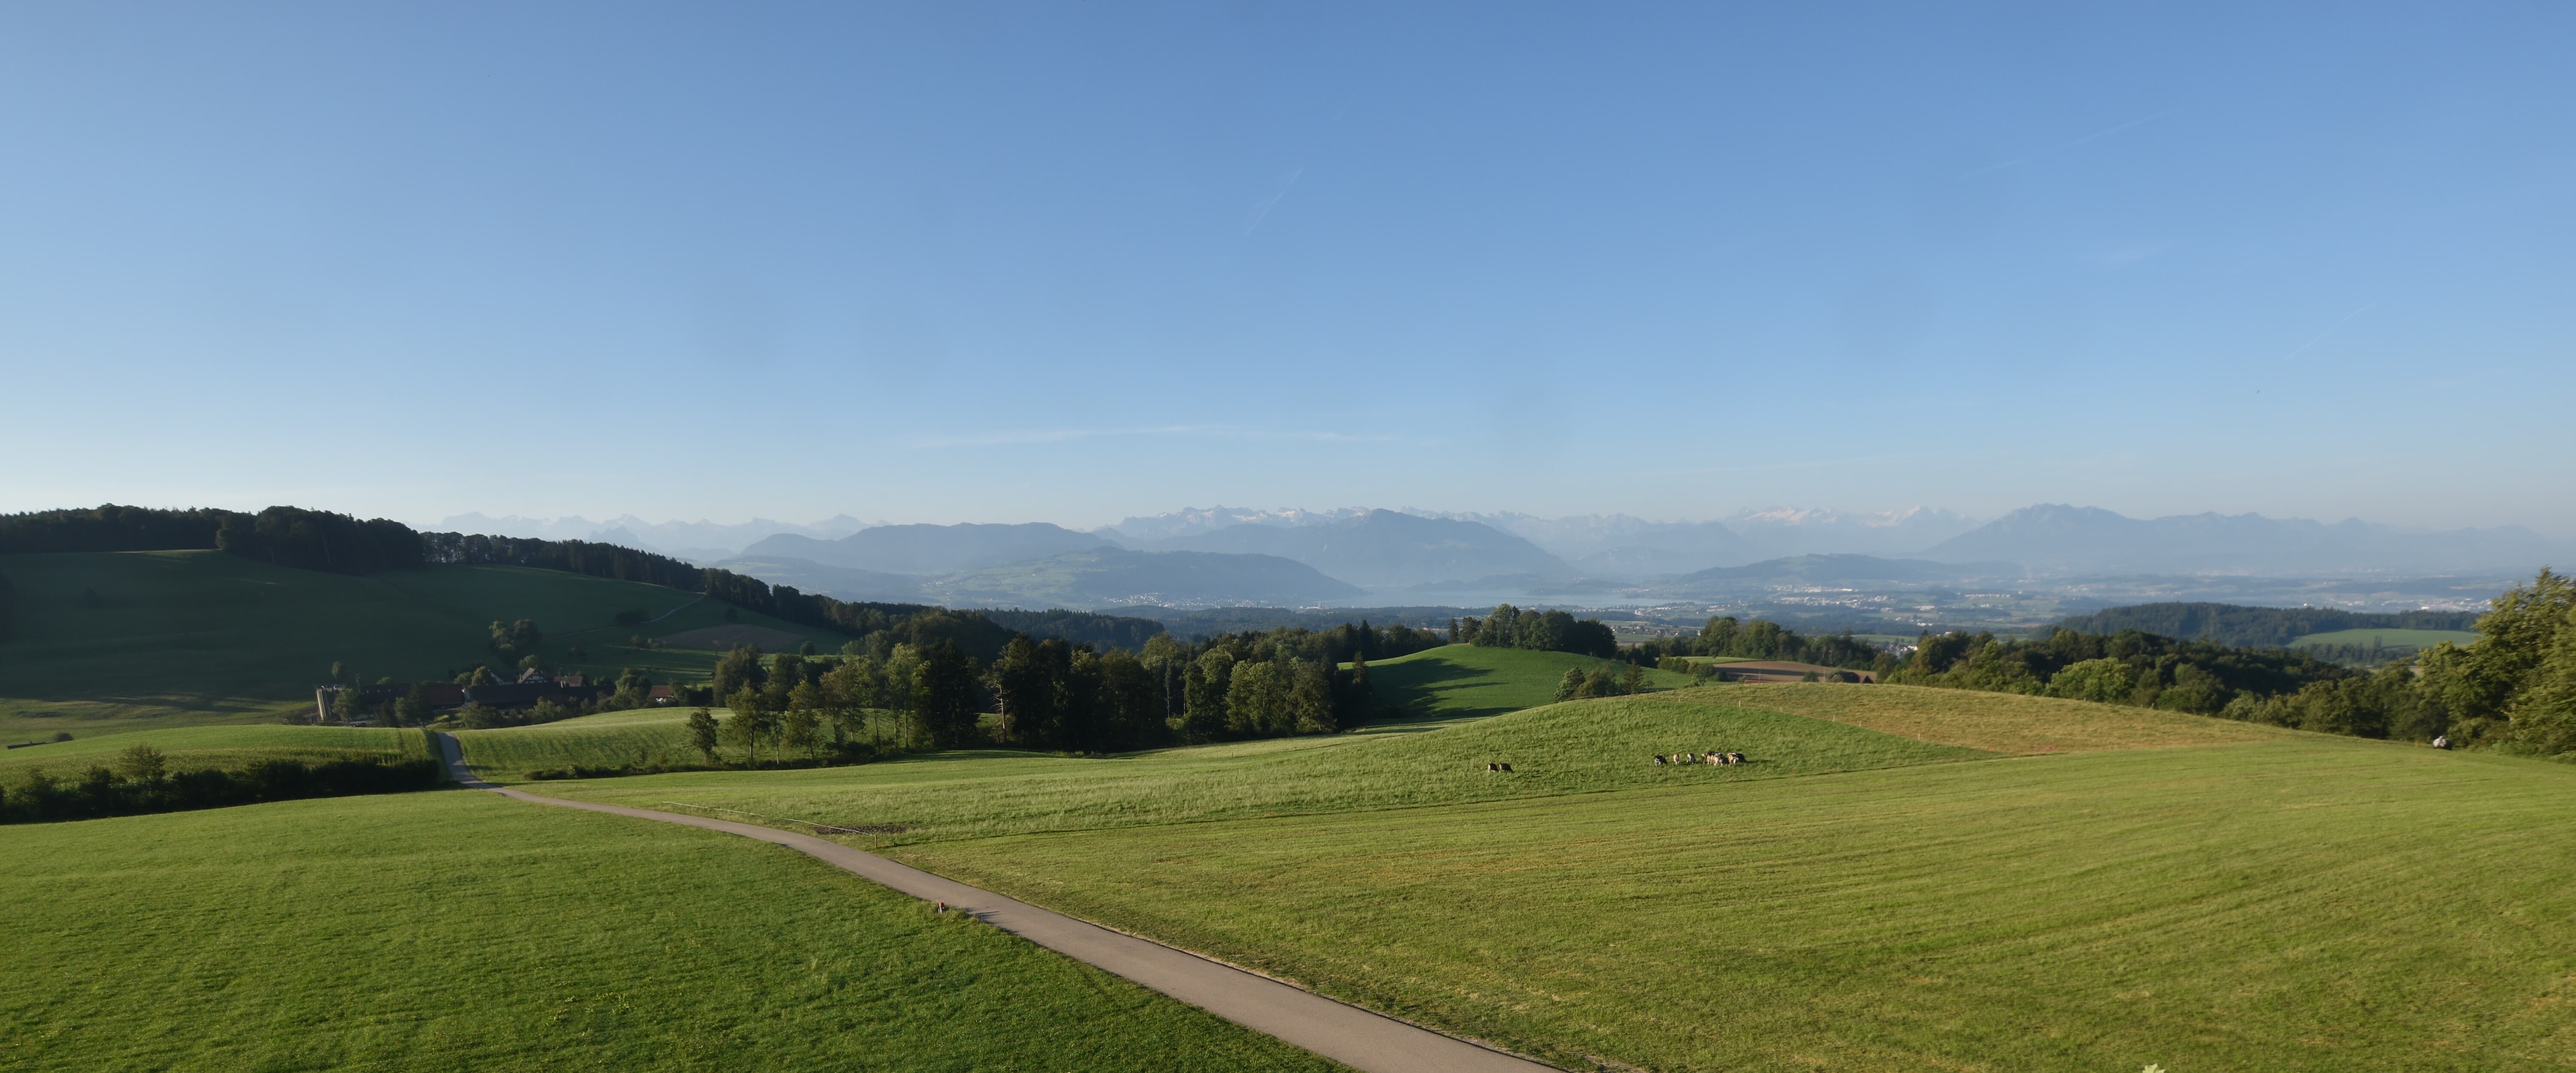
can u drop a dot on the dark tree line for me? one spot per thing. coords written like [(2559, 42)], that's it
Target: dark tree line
[(1544, 631), (111, 528), (2128, 667), (1764, 639), (141, 781), (1046, 693), (320, 540), (2255, 627), (8, 607)]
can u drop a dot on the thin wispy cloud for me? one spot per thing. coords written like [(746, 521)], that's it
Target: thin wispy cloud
[(1024, 436), (2064, 146), (2330, 329), (1260, 212)]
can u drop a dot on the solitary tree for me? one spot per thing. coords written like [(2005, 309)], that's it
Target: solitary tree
[(142, 763), (702, 733), (1570, 686), (752, 720), (800, 731)]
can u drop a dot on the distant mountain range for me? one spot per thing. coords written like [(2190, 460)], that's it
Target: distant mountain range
[(929, 550), (697, 541), (1227, 556), (1384, 549), (2061, 540), (1107, 576)]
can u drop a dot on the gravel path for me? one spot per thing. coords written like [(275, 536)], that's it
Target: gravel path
[(1346, 1034)]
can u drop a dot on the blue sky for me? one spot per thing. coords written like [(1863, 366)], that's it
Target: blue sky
[(1072, 262)]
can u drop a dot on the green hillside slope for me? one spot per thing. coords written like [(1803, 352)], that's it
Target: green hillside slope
[(460, 931), (226, 747), (1579, 747), (1465, 681), (2308, 904), (109, 641)]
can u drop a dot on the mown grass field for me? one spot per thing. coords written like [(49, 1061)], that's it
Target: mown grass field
[(1579, 747), (1465, 681), (2306, 904), (609, 739), (119, 641), (226, 747), (1998, 722), (2389, 638), (454, 930)]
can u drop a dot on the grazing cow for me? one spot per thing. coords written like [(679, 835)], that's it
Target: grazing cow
[(1507, 769), (1659, 760), (1489, 768), (2442, 741), (1735, 758), (1716, 758)]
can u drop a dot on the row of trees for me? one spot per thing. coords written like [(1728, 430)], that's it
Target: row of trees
[(1544, 631), (1763, 639), (2514, 689), (141, 781), (2255, 627), (8, 607), (2129, 667), (1048, 693)]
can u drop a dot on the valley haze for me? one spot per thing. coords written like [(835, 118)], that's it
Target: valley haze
[(1891, 570)]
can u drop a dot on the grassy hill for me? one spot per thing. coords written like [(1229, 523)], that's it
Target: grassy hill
[(1901, 878), (456, 930), (2301, 904), (116, 641), (226, 747), (1579, 747), (1465, 681)]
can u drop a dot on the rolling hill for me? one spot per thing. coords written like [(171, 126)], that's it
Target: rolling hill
[(127, 640)]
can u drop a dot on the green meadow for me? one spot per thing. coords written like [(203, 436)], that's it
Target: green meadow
[(2306, 904), (226, 747), (121, 641), (1580, 747), (1464, 681), (2387, 638), (1899, 878), (455, 930)]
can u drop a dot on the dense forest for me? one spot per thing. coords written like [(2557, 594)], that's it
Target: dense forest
[(2514, 689), (338, 543), (2256, 627)]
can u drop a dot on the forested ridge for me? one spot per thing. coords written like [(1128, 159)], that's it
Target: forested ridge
[(339, 543), (2255, 627), (2513, 690)]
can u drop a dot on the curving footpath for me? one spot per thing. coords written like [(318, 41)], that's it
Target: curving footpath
[(1346, 1034)]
